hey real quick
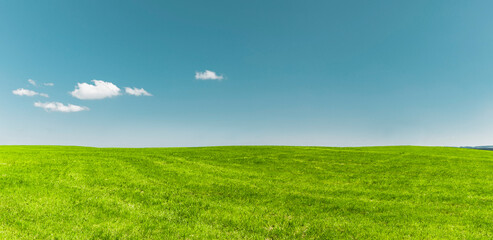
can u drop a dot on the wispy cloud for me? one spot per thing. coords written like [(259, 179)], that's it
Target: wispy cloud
[(49, 84), (99, 90), (137, 91), (29, 93), (24, 92), (208, 75), (32, 82), (60, 107)]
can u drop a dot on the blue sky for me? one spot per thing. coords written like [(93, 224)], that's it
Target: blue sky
[(331, 73)]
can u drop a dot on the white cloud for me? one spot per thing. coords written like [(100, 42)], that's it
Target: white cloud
[(208, 75), (24, 92), (29, 93), (32, 82), (49, 84), (59, 107), (99, 90), (137, 92)]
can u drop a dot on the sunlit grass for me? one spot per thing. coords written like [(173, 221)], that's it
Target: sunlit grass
[(246, 193)]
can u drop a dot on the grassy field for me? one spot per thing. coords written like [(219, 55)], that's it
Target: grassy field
[(245, 193)]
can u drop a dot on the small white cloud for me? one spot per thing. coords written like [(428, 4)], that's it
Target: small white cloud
[(59, 107), (24, 92), (49, 84), (32, 82), (208, 75), (29, 93), (137, 91), (99, 90)]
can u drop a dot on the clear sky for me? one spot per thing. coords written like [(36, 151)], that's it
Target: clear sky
[(332, 73)]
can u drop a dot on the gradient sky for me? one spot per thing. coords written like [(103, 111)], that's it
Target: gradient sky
[(332, 73)]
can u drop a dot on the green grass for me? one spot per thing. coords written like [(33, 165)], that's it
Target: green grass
[(245, 193)]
